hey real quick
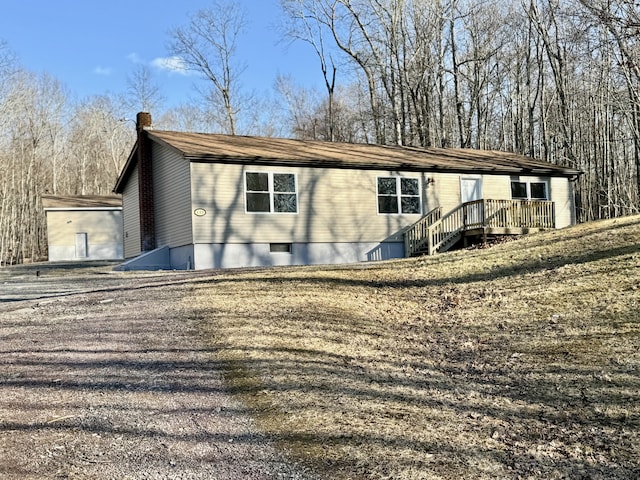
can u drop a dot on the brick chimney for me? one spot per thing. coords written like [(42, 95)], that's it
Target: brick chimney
[(145, 184)]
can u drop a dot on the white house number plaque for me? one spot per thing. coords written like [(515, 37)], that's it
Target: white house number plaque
[(199, 212)]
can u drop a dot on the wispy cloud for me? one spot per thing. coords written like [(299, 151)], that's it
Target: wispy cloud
[(105, 71), (172, 64), (133, 57)]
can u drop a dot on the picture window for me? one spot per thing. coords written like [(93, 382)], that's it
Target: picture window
[(529, 190), (268, 192), (398, 195)]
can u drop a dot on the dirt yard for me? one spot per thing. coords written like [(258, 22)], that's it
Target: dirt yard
[(101, 378)]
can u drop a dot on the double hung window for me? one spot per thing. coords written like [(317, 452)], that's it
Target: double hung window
[(398, 195), (268, 192), (529, 190)]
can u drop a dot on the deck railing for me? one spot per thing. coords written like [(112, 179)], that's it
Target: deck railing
[(416, 237), (435, 232)]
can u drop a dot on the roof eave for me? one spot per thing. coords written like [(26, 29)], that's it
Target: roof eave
[(406, 167), (126, 170), (82, 209)]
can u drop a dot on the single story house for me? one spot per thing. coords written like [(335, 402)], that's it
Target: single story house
[(196, 201), (87, 227)]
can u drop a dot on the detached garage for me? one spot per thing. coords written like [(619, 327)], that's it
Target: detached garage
[(84, 227)]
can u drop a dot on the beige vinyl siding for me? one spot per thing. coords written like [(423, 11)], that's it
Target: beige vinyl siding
[(103, 230), (447, 191), (562, 194), (171, 197), (560, 191), (496, 187), (131, 211), (102, 227), (334, 205)]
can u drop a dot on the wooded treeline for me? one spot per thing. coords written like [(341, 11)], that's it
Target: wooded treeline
[(49, 146), (554, 79)]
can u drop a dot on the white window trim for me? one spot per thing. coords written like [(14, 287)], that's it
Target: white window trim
[(528, 181), (271, 193), (399, 195)]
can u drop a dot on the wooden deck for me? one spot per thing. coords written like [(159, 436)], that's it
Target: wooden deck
[(436, 232)]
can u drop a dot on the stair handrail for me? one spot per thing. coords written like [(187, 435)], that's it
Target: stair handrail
[(446, 229), (436, 231), (416, 235)]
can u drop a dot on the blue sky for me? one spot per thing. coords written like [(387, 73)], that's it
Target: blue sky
[(91, 46)]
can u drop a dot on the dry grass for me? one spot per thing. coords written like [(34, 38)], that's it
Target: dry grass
[(517, 361)]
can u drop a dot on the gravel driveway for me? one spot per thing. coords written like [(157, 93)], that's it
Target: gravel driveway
[(102, 377)]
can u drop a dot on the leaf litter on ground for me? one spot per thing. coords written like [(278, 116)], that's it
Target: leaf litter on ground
[(520, 360)]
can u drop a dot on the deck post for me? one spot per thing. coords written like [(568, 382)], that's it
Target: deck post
[(434, 231), (484, 213)]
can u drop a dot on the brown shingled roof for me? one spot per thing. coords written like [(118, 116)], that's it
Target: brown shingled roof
[(205, 147), (81, 201), (262, 150)]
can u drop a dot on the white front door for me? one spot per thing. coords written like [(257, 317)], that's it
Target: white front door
[(81, 245), (470, 189)]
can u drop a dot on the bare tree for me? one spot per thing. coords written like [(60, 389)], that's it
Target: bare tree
[(143, 93), (33, 107), (7, 61), (550, 32), (308, 112), (208, 46), (305, 23), (185, 117), (300, 104), (621, 20), (99, 141), (352, 26)]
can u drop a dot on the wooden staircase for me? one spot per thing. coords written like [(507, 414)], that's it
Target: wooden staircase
[(438, 233)]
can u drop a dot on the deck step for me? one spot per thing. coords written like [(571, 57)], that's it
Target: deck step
[(438, 233), (444, 246)]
